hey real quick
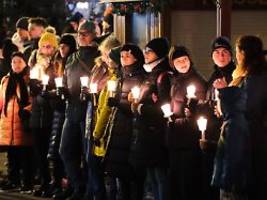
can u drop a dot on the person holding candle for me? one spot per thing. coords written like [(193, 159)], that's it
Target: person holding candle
[(120, 128), (187, 85), (106, 68), (67, 46), (43, 74), (15, 106), (79, 64), (148, 153)]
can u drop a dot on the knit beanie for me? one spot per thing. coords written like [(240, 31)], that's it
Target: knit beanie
[(160, 46), (221, 42), (88, 26), (177, 52), (22, 23), (76, 17), (19, 54), (115, 55), (68, 40), (49, 38), (135, 51)]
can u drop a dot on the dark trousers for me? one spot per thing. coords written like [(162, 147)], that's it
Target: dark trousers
[(185, 175), (41, 142), (71, 151), (20, 160)]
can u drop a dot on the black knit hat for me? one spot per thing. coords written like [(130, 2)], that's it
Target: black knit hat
[(178, 51), (68, 40), (22, 23), (76, 17), (115, 55), (223, 42), (160, 46), (19, 54), (135, 51)]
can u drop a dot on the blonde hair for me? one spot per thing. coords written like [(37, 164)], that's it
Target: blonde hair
[(110, 42)]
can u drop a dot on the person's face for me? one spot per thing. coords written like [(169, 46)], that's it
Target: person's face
[(221, 57), (240, 56), (85, 38), (127, 58), (149, 55), (35, 31), (47, 49), (23, 34), (64, 50), (74, 25), (182, 64), (18, 64)]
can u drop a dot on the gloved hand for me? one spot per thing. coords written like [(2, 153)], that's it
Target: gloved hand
[(97, 142), (24, 114), (207, 146), (35, 87), (192, 106), (113, 102), (44, 94), (85, 91)]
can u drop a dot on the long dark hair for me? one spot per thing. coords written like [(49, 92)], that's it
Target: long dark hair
[(254, 58)]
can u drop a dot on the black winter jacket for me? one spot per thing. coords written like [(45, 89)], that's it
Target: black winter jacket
[(184, 134), (148, 148)]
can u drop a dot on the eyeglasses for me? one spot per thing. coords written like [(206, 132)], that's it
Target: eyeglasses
[(83, 34)]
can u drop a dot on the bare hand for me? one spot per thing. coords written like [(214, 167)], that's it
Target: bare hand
[(220, 83)]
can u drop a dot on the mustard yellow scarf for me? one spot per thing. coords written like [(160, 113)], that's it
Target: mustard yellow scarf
[(238, 75)]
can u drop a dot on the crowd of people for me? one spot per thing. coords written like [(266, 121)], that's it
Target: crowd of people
[(86, 117)]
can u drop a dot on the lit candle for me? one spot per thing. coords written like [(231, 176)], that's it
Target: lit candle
[(166, 109), (136, 93), (93, 88), (112, 86), (202, 125), (59, 82), (45, 79), (34, 73), (191, 90), (84, 81)]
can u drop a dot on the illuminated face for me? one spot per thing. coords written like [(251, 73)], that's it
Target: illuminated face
[(47, 49), (221, 57), (240, 56), (64, 50), (18, 64), (85, 38), (23, 34), (182, 64), (127, 58), (35, 31), (149, 55)]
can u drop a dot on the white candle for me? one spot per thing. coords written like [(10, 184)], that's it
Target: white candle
[(136, 92), (84, 81), (166, 109), (34, 73), (202, 125), (59, 82), (191, 90), (45, 79), (93, 88), (112, 85)]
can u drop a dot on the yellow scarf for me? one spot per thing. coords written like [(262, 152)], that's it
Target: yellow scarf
[(238, 75)]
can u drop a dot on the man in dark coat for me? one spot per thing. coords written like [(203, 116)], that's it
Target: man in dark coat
[(78, 64)]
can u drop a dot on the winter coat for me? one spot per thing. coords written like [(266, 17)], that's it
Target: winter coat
[(213, 128), (12, 132), (184, 133), (232, 161), (116, 159), (148, 148)]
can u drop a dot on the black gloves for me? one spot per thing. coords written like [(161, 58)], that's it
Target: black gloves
[(113, 102), (192, 105)]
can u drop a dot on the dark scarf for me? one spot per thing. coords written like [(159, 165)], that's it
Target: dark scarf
[(13, 80)]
